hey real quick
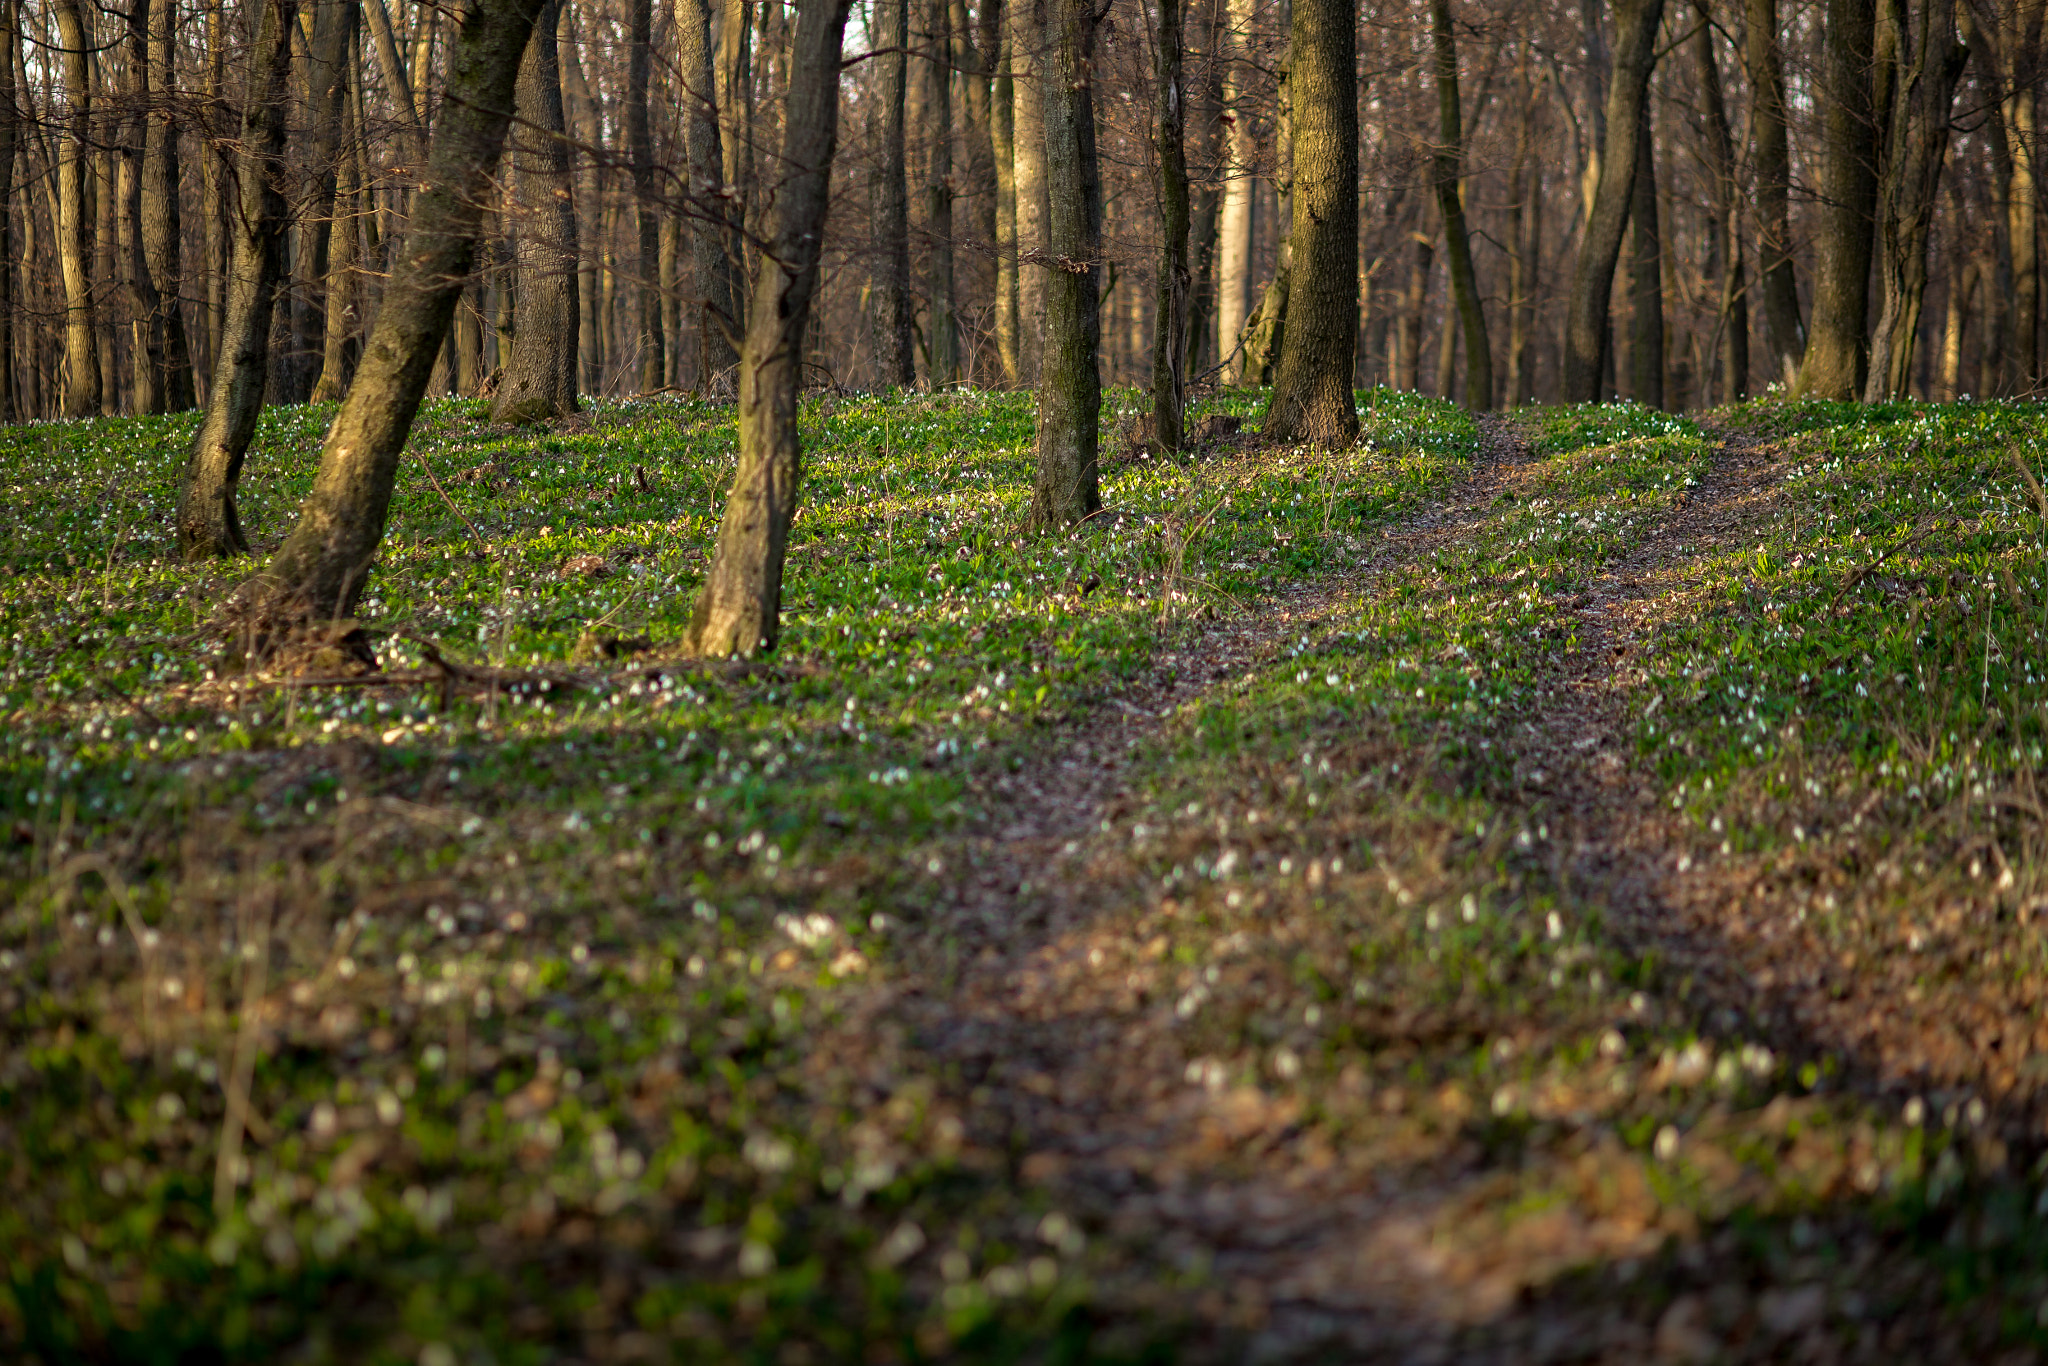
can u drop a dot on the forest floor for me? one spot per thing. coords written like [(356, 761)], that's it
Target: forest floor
[(1560, 888)]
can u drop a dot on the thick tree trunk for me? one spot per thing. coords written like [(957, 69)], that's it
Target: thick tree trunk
[(162, 225), (1234, 281), (1169, 332), (1450, 198), (739, 610), (539, 384), (1724, 232), (1927, 63), (646, 216), (942, 325), (1587, 333), (74, 215), (714, 244), (1066, 487), (1312, 398), (1835, 340), (895, 348), (1003, 141), (207, 521), (1646, 276), (1784, 332), (320, 570)]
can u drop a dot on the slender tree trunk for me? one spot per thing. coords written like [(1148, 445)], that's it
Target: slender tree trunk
[(895, 349), (1927, 64), (10, 115), (341, 318), (1234, 279), (736, 114), (1312, 398), (145, 305), (1646, 275), (324, 563), (942, 331), (646, 216), (1003, 137), (1206, 198), (1962, 284), (1027, 24), (1835, 344), (1724, 222), (331, 57), (1405, 365), (739, 610), (1450, 198), (208, 524), (539, 383), (714, 241), (1784, 332), (974, 55), (162, 224), (1169, 333), (74, 213), (1066, 487), (1587, 333), (1525, 237), (1265, 330)]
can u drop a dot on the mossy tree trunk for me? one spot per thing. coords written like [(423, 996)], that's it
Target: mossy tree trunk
[(1066, 487), (739, 610), (539, 384), (324, 563), (1312, 398), (208, 524)]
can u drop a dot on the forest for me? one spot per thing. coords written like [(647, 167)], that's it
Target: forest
[(1032, 681)]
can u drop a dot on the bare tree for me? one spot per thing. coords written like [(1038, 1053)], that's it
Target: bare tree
[(539, 384)]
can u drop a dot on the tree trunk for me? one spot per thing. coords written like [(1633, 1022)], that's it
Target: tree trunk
[(145, 304), (331, 54), (1724, 232), (162, 226), (646, 217), (1169, 331), (1312, 398), (1646, 275), (1265, 330), (1003, 139), (74, 226), (1962, 283), (736, 115), (714, 241), (1206, 200), (1835, 341), (942, 331), (539, 384), (321, 568), (1066, 487), (1927, 63), (1587, 333), (1525, 243), (739, 610), (1027, 22), (1234, 281), (1450, 198), (341, 317), (895, 349), (10, 115), (1404, 366), (1784, 333), (207, 521)]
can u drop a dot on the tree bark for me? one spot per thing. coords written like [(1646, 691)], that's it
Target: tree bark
[(539, 384), (1835, 341), (1170, 328), (74, 210), (1724, 222), (10, 115), (341, 315), (1927, 63), (646, 217), (320, 570), (1646, 275), (208, 524), (1312, 398), (1003, 140), (1234, 233), (1784, 332), (1027, 20), (145, 304), (942, 330), (1066, 487), (739, 610), (162, 224), (331, 54), (895, 350), (714, 242), (1587, 334), (1450, 198)]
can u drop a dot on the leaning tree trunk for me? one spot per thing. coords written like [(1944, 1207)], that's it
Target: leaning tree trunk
[(540, 379), (1646, 277), (646, 218), (1586, 328), (74, 231), (739, 610), (1169, 332), (1784, 333), (321, 568), (1835, 339), (1067, 487), (895, 350), (1928, 63), (713, 269), (1723, 224), (207, 521), (1312, 398), (1450, 198)]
